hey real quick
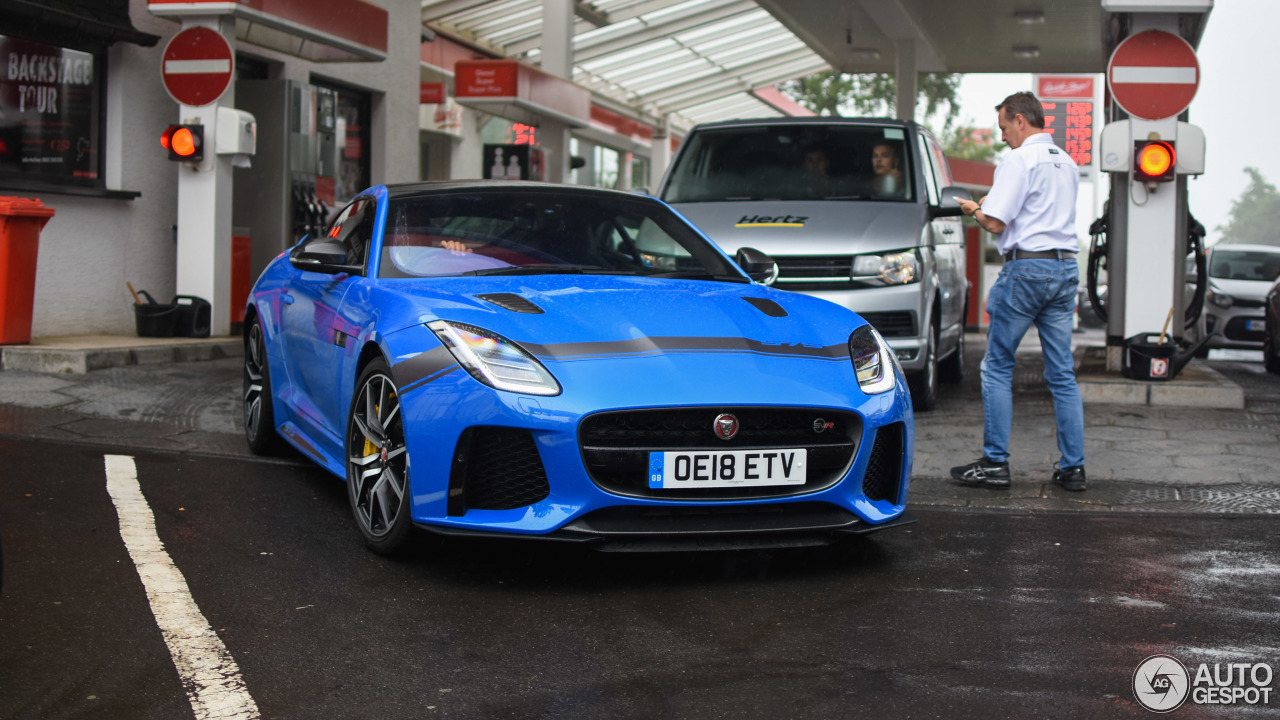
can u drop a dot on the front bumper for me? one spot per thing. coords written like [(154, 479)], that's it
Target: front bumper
[(439, 414), (1230, 327), (697, 529)]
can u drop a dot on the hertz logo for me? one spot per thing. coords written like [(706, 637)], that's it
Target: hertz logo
[(767, 221)]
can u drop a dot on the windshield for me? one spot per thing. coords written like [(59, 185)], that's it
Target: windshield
[(512, 231), (1245, 265), (793, 162)]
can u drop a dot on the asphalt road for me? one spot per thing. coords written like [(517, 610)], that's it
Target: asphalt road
[(961, 615)]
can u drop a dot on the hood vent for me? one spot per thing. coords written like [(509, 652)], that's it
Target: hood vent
[(767, 306), (512, 302)]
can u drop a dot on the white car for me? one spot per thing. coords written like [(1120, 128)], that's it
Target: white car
[(1239, 278)]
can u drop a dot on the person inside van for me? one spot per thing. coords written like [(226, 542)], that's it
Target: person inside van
[(816, 169), (886, 163)]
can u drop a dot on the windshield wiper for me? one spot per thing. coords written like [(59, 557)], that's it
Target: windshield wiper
[(531, 270), (692, 275)]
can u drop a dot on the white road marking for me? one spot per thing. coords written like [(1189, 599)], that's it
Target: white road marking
[(209, 673)]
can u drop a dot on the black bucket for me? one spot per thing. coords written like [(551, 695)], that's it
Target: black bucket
[(155, 320), (1146, 359)]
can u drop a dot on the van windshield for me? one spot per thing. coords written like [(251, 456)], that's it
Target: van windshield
[(794, 162)]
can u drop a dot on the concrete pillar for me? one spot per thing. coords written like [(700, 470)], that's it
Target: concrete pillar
[(660, 156), (557, 59), (905, 73), (204, 204)]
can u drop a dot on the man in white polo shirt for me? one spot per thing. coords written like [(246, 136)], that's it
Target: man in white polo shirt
[(1032, 210)]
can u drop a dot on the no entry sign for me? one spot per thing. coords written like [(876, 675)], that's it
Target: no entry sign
[(1153, 75), (197, 66)]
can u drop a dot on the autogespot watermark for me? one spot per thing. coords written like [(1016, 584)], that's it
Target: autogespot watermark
[(1162, 683)]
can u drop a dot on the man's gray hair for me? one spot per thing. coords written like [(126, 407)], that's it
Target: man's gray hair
[(1026, 105)]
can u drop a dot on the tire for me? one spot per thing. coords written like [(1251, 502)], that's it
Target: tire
[(924, 384), (378, 462), (259, 415), (951, 370)]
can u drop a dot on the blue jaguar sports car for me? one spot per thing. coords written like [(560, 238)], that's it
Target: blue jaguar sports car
[(530, 360)]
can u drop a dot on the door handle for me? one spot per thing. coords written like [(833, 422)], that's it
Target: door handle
[(286, 298)]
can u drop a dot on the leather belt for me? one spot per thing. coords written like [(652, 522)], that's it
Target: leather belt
[(1016, 254)]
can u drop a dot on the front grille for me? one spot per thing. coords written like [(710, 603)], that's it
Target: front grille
[(883, 480), (616, 445), (900, 323), (815, 272), (1236, 330), (1242, 303), (496, 468)]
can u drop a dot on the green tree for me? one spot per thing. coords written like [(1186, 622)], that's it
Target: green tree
[(971, 143), (835, 93), (1255, 215)]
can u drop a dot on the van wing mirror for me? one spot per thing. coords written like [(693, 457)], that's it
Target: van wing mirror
[(949, 206), (758, 266)]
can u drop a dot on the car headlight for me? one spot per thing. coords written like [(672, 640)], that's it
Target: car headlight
[(1222, 301), (895, 268), (873, 361), (495, 360)]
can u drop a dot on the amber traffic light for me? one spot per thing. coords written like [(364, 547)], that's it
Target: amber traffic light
[(1154, 161), (184, 142)]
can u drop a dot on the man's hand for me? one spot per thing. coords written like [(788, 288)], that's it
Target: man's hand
[(969, 207)]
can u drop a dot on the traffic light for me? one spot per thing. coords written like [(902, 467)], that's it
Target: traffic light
[(184, 142), (1154, 161)]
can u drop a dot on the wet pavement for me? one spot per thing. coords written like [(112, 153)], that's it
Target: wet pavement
[(1140, 458), (963, 615)]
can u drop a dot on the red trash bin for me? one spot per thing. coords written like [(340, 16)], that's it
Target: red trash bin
[(21, 220)]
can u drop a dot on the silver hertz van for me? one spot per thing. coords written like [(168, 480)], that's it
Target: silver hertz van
[(860, 212)]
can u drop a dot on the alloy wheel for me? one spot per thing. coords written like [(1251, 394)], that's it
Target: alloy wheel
[(377, 467)]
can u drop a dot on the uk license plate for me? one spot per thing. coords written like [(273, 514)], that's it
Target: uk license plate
[(727, 468), (1256, 325)]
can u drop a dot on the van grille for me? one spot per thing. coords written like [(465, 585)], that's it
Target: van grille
[(900, 323), (815, 272)]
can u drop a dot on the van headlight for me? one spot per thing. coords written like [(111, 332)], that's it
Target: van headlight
[(873, 361), (495, 360), (895, 268)]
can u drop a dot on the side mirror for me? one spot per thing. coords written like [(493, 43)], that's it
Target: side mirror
[(949, 206), (758, 266), (323, 256)]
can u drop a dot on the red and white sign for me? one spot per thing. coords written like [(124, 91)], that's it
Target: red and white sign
[(1064, 87), (197, 66), (1153, 75), (431, 92), (1159, 367)]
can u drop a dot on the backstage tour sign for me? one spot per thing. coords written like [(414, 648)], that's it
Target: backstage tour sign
[(197, 66), (1153, 75)]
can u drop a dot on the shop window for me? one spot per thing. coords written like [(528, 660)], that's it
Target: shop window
[(51, 116)]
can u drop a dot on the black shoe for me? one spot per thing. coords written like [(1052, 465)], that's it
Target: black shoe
[(983, 473), (1071, 478)]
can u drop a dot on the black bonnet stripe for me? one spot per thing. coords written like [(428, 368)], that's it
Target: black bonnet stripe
[(423, 368), (661, 345)]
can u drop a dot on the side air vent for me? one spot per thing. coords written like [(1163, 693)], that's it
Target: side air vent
[(512, 302), (767, 306)]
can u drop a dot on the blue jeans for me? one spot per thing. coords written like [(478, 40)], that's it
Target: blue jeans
[(1042, 292)]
